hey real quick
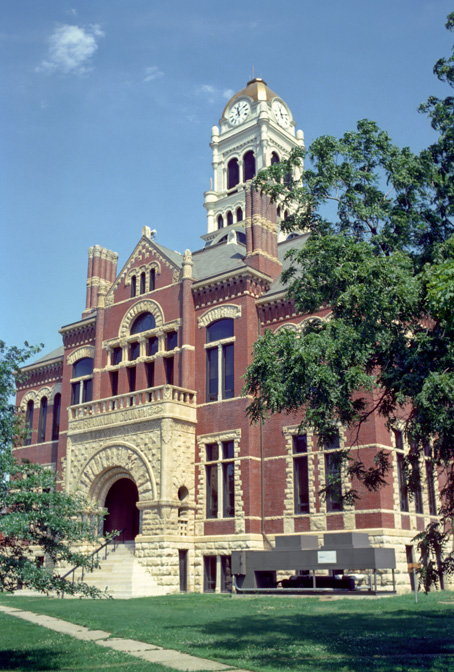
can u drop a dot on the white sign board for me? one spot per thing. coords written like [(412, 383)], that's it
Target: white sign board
[(326, 557)]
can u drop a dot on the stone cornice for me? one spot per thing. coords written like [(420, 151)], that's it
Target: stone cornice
[(77, 327)]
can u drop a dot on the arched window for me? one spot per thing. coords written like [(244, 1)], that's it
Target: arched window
[(142, 283), (133, 285), (220, 222), (56, 417), (233, 173), (220, 369), (229, 218), (143, 322), (279, 211), (248, 166), (82, 389), (29, 422), (239, 215), (274, 158), (152, 279), (83, 367), (42, 420)]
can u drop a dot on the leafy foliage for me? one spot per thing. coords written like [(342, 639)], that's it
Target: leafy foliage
[(40, 526), (380, 256)]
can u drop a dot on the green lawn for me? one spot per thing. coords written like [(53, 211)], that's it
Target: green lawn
[(27, 647), (273, 634)]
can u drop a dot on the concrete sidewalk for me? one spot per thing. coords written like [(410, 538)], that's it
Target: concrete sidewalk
[(149, 652)]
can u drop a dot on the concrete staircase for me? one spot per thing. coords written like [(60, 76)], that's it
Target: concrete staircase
[(122, 575)]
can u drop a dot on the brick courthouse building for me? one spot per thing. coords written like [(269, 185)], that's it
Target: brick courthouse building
[(141, 408)]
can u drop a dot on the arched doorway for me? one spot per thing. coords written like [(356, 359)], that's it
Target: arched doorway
[(121, 503)]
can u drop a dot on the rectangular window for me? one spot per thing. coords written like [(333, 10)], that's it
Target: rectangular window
[(168, 364), (300, 474), (75, 393), (431, 489), (117, 356), (152, 346), (227, 371), (171, 340), (209, 584), (113, 383), (403, 495), (134, 351), (212, 374), (56, 417), (228, 495), (226, 574), (418, 498), (149, 370), (132, 378), (87, 390), (220, 467), (333, 474)]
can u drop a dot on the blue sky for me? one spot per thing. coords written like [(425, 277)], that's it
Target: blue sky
[(106, 109)]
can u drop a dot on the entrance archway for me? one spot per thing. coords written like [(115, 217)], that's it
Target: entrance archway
[(121, 503)]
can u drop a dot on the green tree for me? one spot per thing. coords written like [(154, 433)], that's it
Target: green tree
[(40, 525), (384, 264)]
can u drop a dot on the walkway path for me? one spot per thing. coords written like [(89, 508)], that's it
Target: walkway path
[(149, 652)]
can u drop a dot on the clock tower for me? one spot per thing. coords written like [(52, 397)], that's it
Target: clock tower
[(256, 130)]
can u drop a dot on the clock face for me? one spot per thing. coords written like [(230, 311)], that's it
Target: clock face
[(239, 112), (280, 114)]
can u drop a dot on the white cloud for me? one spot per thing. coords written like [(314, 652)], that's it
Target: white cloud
[(214, 94), (152, 72), (70, 49)]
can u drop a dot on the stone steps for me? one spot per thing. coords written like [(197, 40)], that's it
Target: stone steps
[(122, 575)]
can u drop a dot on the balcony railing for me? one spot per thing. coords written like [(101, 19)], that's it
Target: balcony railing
[(152, 395)]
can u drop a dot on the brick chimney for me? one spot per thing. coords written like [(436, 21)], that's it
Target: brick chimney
[(102, 271), (261, 233)]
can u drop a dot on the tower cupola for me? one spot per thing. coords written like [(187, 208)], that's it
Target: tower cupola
[(256, 129)]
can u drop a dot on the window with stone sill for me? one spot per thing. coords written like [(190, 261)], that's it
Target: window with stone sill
[(134, 351), (220, 360), (401, 470), (117, 356), (168, 370), (152, 346), (56, 417), (171, 340), (82, 381), (300, 474), (333, 475), (220, 479), (29, 422), (42, 420)]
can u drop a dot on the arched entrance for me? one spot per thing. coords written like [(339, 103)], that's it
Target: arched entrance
[(121, 503)]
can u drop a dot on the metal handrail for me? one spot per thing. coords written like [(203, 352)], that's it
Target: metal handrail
[(96, 552)]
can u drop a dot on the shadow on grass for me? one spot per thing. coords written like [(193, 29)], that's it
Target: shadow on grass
[(36, 660), (400, 641)]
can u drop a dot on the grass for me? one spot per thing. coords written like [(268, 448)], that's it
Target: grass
[(26, 647), (271, 634)]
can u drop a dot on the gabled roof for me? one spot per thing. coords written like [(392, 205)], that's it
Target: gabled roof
[(217, 259), (55, 354)]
